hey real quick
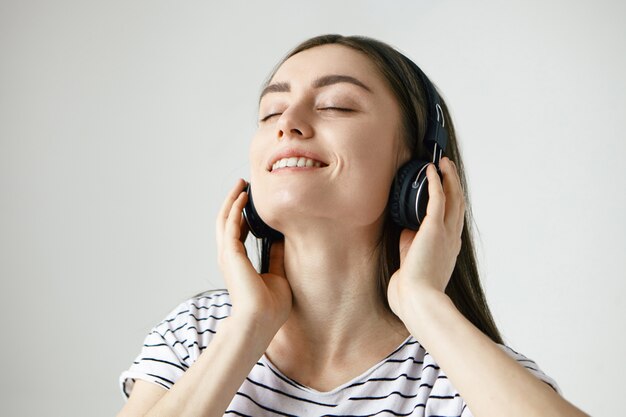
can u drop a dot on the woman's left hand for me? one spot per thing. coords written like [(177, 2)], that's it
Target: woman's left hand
[(428, 256)]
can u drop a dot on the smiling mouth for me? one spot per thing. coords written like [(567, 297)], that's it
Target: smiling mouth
[(296, 162)]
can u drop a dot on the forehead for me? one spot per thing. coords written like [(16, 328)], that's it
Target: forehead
[(329, 59)]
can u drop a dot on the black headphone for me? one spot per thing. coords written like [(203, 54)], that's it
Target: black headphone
[(409, 192)]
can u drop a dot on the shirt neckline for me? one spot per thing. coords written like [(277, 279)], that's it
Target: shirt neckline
[(303, 387)]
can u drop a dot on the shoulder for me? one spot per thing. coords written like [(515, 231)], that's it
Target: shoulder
[(194, 321), (203, 302), (177, 341), (210, 306), (204, 310), (531, 366)]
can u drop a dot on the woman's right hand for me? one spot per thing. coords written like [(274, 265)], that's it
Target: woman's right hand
[(262, 300)]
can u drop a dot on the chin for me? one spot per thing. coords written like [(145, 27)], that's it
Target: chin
[(287, 203), (279, 201)]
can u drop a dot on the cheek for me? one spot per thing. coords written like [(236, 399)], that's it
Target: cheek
[(371, 152), (256, 159), (368, 170)]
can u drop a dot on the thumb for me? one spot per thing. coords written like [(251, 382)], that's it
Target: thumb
[(277, 258), (406, 238)]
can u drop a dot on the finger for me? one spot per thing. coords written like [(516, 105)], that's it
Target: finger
[(461, 201), (453, 192), (436, 197), (220, 222), (243, 232), (232, 229), (230, 199), (244, 229)]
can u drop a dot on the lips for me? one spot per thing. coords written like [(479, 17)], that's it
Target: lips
[(296, 162), (294, 157)]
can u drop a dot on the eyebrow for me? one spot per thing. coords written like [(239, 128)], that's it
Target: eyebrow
[(285, 87)]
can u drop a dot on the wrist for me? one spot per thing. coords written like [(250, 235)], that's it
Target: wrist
[(258, 334), (422, 307)]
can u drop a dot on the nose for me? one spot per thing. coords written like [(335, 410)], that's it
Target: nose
[(293, 124)]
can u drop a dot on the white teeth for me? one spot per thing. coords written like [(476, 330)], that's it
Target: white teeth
[(294, 161)]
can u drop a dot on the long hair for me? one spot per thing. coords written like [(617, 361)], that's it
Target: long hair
[(464, 288)]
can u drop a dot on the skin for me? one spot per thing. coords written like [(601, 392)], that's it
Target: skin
[(312, 208), (316, 314)]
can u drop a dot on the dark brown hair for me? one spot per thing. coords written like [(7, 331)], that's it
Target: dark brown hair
[(464, 288)]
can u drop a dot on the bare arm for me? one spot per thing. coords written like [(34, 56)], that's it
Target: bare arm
[(261, 304), (210, 384), (490, 382)]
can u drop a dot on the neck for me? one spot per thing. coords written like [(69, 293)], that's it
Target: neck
[(337, 307)]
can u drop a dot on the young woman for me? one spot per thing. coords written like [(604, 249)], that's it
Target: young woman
[(356, 314)]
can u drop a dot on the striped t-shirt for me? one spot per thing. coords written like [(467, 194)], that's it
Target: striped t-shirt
[(408, 382)]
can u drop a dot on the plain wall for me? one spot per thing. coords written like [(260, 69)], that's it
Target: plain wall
[(123, 124)]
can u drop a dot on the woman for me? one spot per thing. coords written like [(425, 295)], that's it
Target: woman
[(356, 315)]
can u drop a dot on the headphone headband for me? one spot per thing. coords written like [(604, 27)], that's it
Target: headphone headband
[(436, 136)]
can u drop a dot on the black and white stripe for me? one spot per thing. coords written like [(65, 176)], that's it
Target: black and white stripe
[(407, 382)]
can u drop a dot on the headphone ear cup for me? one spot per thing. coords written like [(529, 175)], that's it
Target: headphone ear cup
[(409, 195), (257, 226)]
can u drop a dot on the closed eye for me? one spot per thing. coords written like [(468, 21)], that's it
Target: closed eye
[(268, 116), (336, 108), (340, 109)]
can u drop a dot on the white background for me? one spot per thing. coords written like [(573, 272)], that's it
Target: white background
[(124, 123)]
